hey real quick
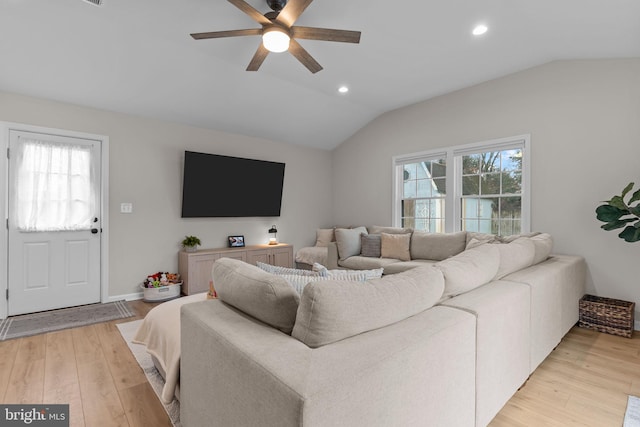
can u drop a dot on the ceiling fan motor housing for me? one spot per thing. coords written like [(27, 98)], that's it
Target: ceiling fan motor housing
[(277, 5)]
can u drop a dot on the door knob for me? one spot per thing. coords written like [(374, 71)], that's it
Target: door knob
[(94, 231)]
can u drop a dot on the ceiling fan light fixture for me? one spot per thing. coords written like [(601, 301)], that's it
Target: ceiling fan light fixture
[(275, 40), (479, 30)]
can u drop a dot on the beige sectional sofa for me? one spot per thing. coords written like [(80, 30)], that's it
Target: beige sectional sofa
[(445, 343)]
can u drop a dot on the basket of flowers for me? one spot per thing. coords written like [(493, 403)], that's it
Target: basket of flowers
[(161, 286)]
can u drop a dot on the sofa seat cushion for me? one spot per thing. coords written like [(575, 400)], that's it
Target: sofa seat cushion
[(399, 267), (334, 310), (366, 263), (264, 296), (437, 246)]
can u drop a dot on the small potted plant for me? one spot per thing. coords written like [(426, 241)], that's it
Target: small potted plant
[(617, 213), (190, 243)]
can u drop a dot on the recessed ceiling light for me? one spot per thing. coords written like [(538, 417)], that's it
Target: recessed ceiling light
[(343, 89), (479, 30)]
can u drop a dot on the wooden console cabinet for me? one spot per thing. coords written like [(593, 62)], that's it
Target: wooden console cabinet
[(195, 267)]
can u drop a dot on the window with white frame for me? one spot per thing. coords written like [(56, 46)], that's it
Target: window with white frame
[(481, 187), (423, 194)]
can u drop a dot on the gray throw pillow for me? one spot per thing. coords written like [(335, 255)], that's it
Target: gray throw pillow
[(371, 245)]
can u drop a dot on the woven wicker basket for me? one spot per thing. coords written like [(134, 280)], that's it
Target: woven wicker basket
[(608, 315)]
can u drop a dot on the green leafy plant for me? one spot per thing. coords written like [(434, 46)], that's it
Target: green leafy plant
[(190, 241), (617, 213)]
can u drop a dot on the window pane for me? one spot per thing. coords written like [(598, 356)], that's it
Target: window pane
[(409, 189), (490, 183), (53, 187), (408, 222), (469, 225), (424, 188), (440, 187), (511, 207), (438, 168), (408, 208), (470, 208), (511, 160), (490, 161), (422, 170), (409, 171), (421, 224), (470, 185), (471, 164), (512, 183)]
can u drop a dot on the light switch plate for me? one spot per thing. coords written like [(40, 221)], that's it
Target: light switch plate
[(126, 207)]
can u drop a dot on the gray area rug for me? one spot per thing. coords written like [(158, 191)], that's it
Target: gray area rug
[(26, 325), (128, 331), (632, 414)]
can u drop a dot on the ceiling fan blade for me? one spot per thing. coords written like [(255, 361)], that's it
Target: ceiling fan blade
[(292, 11), (258, 58), (327, 34), (251, 11), (230, 33), (303, 56)]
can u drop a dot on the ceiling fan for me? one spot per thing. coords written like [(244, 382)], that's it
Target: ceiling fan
[(279, 34)]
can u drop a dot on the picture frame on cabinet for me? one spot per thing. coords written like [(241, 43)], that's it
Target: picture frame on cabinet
[(236, 241)]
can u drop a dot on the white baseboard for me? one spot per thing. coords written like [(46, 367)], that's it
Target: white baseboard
[(128, 297)]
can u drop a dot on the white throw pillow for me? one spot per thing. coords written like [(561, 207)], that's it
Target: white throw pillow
[(359, 275), (469, 269), (276, 269), (299, 282)]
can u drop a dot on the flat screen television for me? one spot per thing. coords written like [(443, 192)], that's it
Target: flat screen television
[(224, 186)]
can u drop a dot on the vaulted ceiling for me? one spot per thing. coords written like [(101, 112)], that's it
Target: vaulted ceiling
[(136, 57)]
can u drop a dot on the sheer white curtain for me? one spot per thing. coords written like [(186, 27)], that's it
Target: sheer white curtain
[(53, 187)]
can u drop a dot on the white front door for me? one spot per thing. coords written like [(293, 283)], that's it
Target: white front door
[(54, 227)]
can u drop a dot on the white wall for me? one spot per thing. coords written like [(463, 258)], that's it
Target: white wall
[(146, 169), (584, 121)]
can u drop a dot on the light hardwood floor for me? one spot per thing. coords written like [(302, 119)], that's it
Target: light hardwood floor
[(90, 368), (584, 381)]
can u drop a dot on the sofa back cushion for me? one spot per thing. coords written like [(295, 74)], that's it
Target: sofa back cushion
[(265, 296), (437, 246), (348, 241), (514, 256), (331, 311), (543, 243), (469, 269), (377, 229)]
